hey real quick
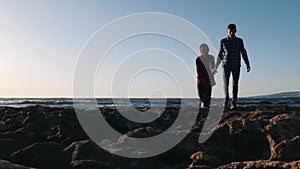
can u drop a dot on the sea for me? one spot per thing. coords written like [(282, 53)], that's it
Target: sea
[(279, 99)]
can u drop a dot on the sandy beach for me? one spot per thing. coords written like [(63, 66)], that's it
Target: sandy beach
[(253, 136)]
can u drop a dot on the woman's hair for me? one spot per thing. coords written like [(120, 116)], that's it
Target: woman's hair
[(204, 45)]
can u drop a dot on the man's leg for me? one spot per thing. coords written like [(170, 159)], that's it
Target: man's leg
[(235, 85), (226, 75)]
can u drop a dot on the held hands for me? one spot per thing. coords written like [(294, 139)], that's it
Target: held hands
[(214, 70)]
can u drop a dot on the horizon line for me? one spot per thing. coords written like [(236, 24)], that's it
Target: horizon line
[(106, 97)]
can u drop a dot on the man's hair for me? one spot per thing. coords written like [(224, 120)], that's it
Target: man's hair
[(231, 26)]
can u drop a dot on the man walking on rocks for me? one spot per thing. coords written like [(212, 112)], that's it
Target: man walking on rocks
[(230, 52)]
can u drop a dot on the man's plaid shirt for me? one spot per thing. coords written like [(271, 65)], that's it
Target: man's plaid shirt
[(230, 53)]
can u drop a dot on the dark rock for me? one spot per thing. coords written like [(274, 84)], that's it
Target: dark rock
[(240, 137), (43, 155), (8, 146), (117, 121), (74, 136), (12, 124), (287, 150), (201, 160), (36, 122), (142, 132), (12, 120), (91, 164), (46, 137), (283, 126), (145, 164), (86, 154), (19, 138), (8, 165), (56, 133), (243, 141), (283, 135), (88, 150), (263, 164)]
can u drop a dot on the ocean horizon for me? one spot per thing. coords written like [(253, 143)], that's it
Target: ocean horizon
[(284, 98)]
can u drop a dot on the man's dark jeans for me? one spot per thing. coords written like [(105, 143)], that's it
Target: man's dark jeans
[(235, 82)]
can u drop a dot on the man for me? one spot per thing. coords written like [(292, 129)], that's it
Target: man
[(230, 52)]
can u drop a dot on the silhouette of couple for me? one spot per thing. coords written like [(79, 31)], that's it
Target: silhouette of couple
[(231, 49)]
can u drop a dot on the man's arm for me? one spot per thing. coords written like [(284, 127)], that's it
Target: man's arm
[(197, 71), (245, 56)]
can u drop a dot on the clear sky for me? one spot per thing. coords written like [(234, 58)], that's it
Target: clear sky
[(41, 40)]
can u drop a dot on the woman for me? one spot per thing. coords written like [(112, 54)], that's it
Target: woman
[(205, 66)]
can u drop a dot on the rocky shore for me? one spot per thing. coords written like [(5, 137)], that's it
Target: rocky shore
[(250, 137)]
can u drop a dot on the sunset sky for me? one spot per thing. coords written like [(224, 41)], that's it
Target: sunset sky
[(40, 42)]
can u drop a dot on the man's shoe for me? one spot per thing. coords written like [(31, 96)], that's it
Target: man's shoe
[(233, 107), (204, 106)]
